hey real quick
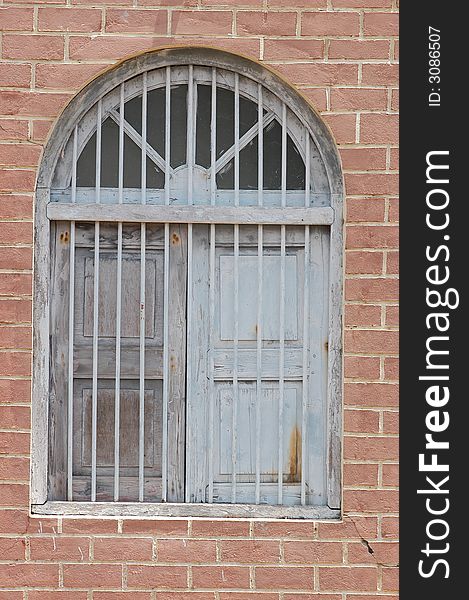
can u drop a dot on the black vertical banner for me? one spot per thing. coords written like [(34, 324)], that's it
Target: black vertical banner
[(434, 310)]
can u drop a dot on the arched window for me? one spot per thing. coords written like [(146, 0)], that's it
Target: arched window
[(188, 294)]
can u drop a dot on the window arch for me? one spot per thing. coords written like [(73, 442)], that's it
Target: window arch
[(188, 277)]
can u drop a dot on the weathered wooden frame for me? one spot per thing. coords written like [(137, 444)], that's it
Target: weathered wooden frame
[(75, 110)]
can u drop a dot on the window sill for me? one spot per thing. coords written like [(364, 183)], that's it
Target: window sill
[(172, 510)]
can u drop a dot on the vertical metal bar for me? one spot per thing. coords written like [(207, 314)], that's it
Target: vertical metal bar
[(117, 391), (164, 457), (190, 352), (281, 399), (94, 408), (305, 329), (260, 275), (71, 311), (234, 426), (213, 158), (141, 440)]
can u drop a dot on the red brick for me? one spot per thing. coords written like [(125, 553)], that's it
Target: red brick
[(390, 475), (380, 74), (10, 595), (124, 596), (361, 367), (41, 130), (393, 215), (15, 391), (11, 129), (394, 159), (29, 575), (14, 443), (17, 181), (42, 525), (165, 3), (15, 417), (60, 548), (16, 19), (361, 421), (360, 475), (317, 97), (250, 551), (292, 49), (371, 394), (395, 100), (380, 129), (220, 528), (241, 596), (15, 363), (219, 578), (351, 528), (371, 448), (65, 76), (265, 23), (348, 579), (362, 3), (89, 526), (138, 21), (312, 597), (383, 553), (92, 576), (142, 576), (390, 422), (15, 206), (12, 468), (15, 338), (391, 368), (360, 159), (297, 3), (285, 529), (372, 342), (15, 258), (13, 494), (15, 311), (284, 578), (381, 24), (110, 48), (371, 184), (395, 51), (372, 290), (62, 595), (343, 127), (106, 2), (15, 284), (12, 548), (358, 99), (359, 49), (33, 47), (362, 316), (187, 551), (374, 236), (363, 263), (319, 74), (155, 527), (31, 104), (390, 527), (209, 22), (330, 24), (123, 549), (15, 75), (364, 209), (13, 521), (241, 3), (392, 316), (390, 579), (311, 553), (69, 19), (369, 501)]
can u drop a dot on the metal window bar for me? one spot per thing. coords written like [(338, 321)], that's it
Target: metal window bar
[(94, 409), (212, 282), (234, 426), (305, 382), (281, 398), (117, 390), (141, 448), (189, 151), (71, 312), (260, 275), (164, 454)]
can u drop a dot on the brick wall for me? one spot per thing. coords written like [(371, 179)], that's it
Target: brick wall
[(342, 54)]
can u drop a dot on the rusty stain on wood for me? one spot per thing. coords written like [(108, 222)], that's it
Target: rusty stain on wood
[(294, 474), (64, 237), (175, 239)]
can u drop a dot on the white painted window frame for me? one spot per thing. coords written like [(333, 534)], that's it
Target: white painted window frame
[(44, 211)]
